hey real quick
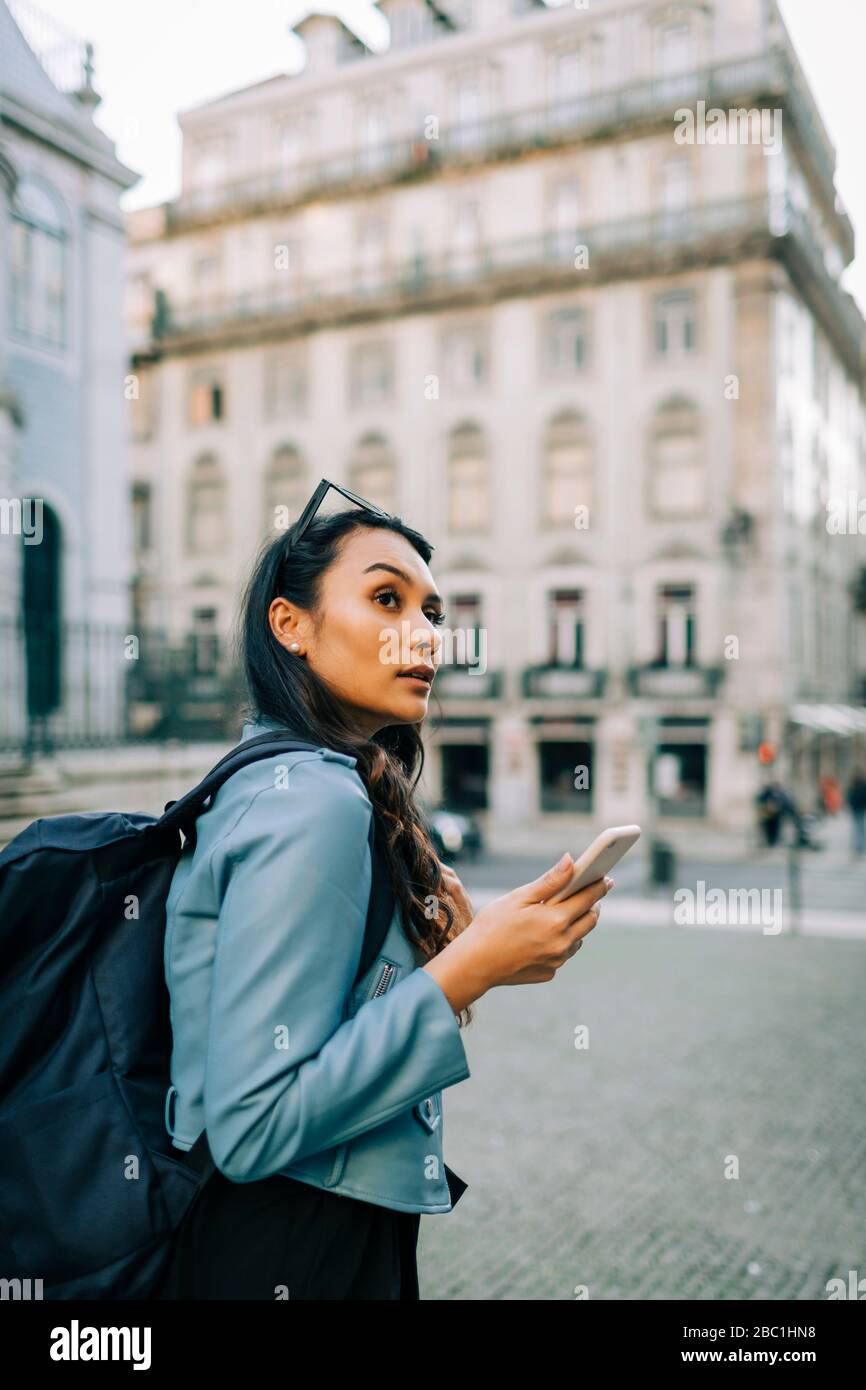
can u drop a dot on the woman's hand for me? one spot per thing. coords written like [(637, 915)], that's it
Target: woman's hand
[(464, 911), (521, 938)]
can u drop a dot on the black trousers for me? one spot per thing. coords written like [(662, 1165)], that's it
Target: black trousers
[(283, 1238)]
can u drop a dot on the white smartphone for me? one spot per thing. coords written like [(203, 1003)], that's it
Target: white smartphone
[(606, 850)]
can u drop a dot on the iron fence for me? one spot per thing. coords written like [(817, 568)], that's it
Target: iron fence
[(81, 684)]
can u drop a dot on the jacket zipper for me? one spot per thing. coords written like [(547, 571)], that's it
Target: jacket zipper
[(384, 981)]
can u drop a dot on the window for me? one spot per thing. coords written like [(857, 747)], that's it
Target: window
[(466, 251), (568, 472), (675, 324), (677, 472), (370, 374), (142, 519), (787, 327), (468, 498), (786, 457), (372, 131), (206, 399), (820, 369), (468, 129), (676, 48), (288, 282), (565, 218), (466, 618), (205, 642), (465, 355), (142, 405), (209, 164), (290, 149), (567, 75), (206, 509), (371, 262), (409, 23), (285, 384), (373, 472), (676, 61), (675, 616), (567, 341), (675, 195), (286, 490), (141, 300), (38, 238), (206, 279), (566, 627)]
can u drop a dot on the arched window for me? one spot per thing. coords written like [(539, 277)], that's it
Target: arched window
[(38, 236), (468, 480), (568, 479), (41, 613), (207, 530), (286, 489), (677, 475), (373, 472)]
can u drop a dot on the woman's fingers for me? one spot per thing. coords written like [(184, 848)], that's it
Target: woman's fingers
[(580, 903)]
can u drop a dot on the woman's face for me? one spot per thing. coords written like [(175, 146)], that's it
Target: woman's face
[(379, 617)]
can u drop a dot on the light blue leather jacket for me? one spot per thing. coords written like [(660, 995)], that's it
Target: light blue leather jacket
[(288, 1068)]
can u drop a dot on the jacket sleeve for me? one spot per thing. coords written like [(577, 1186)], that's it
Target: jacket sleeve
[(286, 1074)]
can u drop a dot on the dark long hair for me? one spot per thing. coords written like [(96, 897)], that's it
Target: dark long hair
[(283, 688)]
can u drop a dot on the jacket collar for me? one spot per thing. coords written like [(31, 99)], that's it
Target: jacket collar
[(262, 725)]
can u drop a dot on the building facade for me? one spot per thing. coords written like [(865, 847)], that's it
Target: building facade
[(514, 280), (64, 489)]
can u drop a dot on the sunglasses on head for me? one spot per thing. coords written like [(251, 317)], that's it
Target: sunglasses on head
[(318, 497)]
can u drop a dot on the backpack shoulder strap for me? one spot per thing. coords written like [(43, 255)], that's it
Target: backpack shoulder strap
[(181, 814)]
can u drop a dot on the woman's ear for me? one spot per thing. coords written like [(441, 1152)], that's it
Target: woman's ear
[(286, 623)]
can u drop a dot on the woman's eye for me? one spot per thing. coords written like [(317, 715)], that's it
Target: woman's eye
[(435, 617)]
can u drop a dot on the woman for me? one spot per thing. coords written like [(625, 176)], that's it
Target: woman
[(320, 1094)]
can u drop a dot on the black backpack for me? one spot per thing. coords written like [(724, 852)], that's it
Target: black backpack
[(91, 1188)]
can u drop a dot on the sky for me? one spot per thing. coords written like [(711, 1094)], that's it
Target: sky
[(156, 59)]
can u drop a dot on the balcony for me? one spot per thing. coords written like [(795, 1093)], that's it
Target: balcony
[(563, 682), (675, 682), (767, 79), (467, 683), (652, 244)]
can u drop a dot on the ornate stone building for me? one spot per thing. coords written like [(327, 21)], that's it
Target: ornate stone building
[(560, 286), (65, 532)]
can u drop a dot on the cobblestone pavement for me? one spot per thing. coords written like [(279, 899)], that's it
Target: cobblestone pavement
[(605, 1167)]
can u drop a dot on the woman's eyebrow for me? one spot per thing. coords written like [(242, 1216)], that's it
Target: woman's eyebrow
[(432, 597)]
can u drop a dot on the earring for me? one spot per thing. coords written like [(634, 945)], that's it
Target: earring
[(295, 647)]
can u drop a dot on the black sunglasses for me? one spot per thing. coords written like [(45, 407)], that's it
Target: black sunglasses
[(315, 503)]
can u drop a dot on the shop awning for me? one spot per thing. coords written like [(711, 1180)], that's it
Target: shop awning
[(843, 720)]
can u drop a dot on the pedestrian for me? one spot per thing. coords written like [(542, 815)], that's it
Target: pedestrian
[(772, 803), (320, 1098), (856, 797), (830, 798)]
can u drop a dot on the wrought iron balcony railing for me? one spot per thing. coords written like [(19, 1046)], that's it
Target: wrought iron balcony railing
[(650, 243), (760, 80), (556, 682), (675, 682), (467, 683)]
